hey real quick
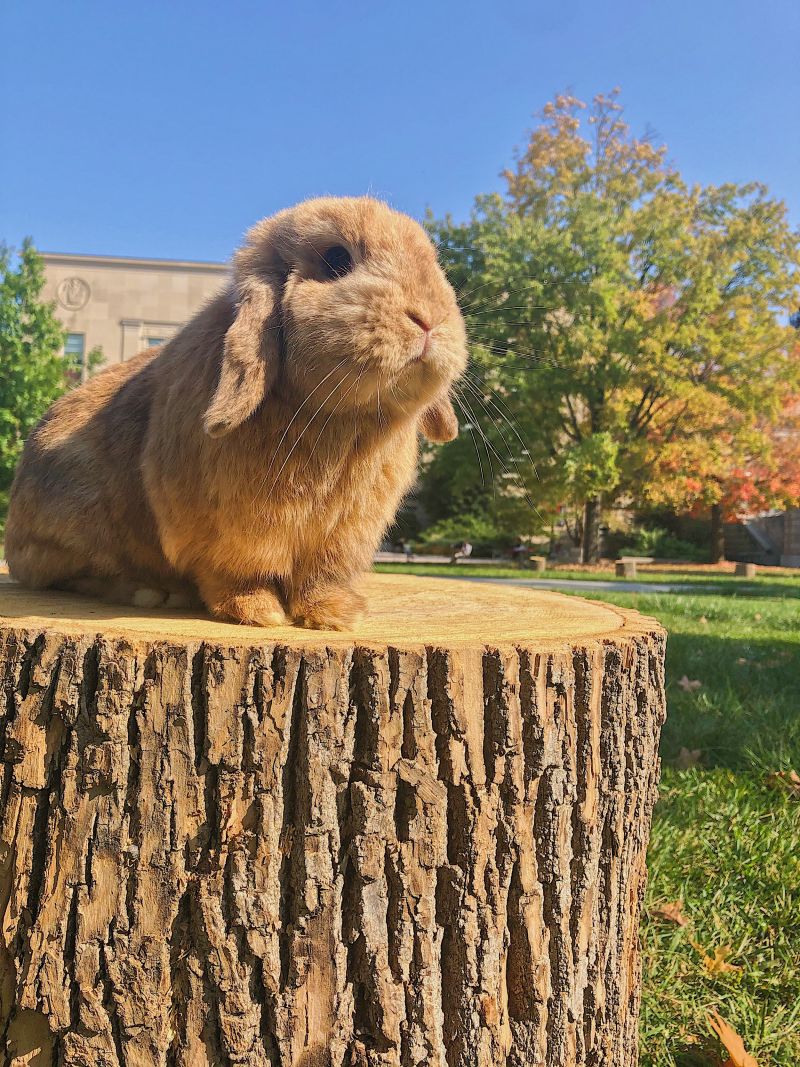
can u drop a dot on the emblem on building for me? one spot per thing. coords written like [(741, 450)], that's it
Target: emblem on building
[(73, 293)]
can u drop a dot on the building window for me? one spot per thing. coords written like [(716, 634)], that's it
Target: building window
[(154, 342), (74, 348)]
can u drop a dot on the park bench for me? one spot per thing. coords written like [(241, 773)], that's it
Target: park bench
[(625, 566)]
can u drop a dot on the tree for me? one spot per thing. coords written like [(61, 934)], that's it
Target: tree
[(32, 371), (737, 470), (606, 300)]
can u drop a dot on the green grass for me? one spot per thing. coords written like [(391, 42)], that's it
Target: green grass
[(728, 848), (723, 843)]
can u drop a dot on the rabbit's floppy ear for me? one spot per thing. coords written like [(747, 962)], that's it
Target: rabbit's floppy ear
[(250, 356), (439, 422)]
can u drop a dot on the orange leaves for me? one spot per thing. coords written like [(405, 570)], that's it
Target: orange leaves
[(715, 964), (718, 962), (688, 685), (732, 1042), (785, 780), (671, 912)]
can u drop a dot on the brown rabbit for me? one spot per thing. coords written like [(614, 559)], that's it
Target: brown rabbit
[(258, 457)]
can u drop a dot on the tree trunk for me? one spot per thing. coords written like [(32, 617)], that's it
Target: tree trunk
[(421, 844), (717, 534), (590, 546)]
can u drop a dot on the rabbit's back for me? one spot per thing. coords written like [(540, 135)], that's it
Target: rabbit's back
[(77, 504)]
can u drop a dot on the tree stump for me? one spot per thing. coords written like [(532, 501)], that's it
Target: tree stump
[(421, 843), (538, 563)]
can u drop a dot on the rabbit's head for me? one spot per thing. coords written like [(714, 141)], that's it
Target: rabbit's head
[(341, 303)]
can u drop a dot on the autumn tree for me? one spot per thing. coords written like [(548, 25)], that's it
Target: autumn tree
[(606, 298), (730, 466), (32, 371)]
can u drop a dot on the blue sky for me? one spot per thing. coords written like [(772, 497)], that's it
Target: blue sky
[(166, 129)]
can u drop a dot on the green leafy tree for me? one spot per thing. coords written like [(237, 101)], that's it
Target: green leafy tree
[(75, 371), (32, 371), (612, 308)]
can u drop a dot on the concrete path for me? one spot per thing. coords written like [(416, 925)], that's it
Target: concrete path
[(470, 561)]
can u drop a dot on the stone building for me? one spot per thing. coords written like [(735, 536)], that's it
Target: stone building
[(769, 539), (123, 305)]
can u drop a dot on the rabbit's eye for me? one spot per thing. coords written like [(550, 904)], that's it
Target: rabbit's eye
[(337, 261)]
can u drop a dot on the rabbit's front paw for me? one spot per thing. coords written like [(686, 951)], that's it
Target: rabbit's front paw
[(333, 608), (253, 607)]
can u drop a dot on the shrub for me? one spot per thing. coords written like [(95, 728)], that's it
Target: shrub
[(661, 544)]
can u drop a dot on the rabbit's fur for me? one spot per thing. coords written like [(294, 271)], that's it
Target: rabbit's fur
[(258, 457)]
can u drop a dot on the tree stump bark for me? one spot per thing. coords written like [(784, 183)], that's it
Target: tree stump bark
[(422, 843)]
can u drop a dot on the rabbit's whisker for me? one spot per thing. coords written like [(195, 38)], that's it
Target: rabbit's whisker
[(397, 392), (505, 307), (331, 413), (475, 289), (302, 432), (512, 355), (501, 407), (381, 419), (355, 408), (509, 474), (469, 423), (275, 453), (476, 398), (394, 395), (481, 401), (479, 428), (505, 294)]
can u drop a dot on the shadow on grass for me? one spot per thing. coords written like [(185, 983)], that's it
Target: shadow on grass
[(772, 590), (744, 714), (696, 1056)]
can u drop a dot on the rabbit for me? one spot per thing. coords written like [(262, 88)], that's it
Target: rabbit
[(256, 459)]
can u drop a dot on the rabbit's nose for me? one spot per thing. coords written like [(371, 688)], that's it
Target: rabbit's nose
[(419, 321)]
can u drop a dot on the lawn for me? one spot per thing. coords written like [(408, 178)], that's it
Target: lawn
[(725, 844)]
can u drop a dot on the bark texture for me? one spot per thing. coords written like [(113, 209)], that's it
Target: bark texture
[(590, 546), (272, 855), (717, 534)]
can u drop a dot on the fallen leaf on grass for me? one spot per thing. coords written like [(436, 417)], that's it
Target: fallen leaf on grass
[(671, 913), (688, 685), (788, 780), (688, 758), (734, 1046), (718, 963)]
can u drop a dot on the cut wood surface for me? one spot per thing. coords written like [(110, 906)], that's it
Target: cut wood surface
[(420, 843), (403, 611)]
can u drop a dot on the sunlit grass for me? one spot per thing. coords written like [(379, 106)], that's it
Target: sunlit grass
[(723, 842)]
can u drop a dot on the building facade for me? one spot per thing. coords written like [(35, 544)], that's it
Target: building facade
[(123, 305)]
